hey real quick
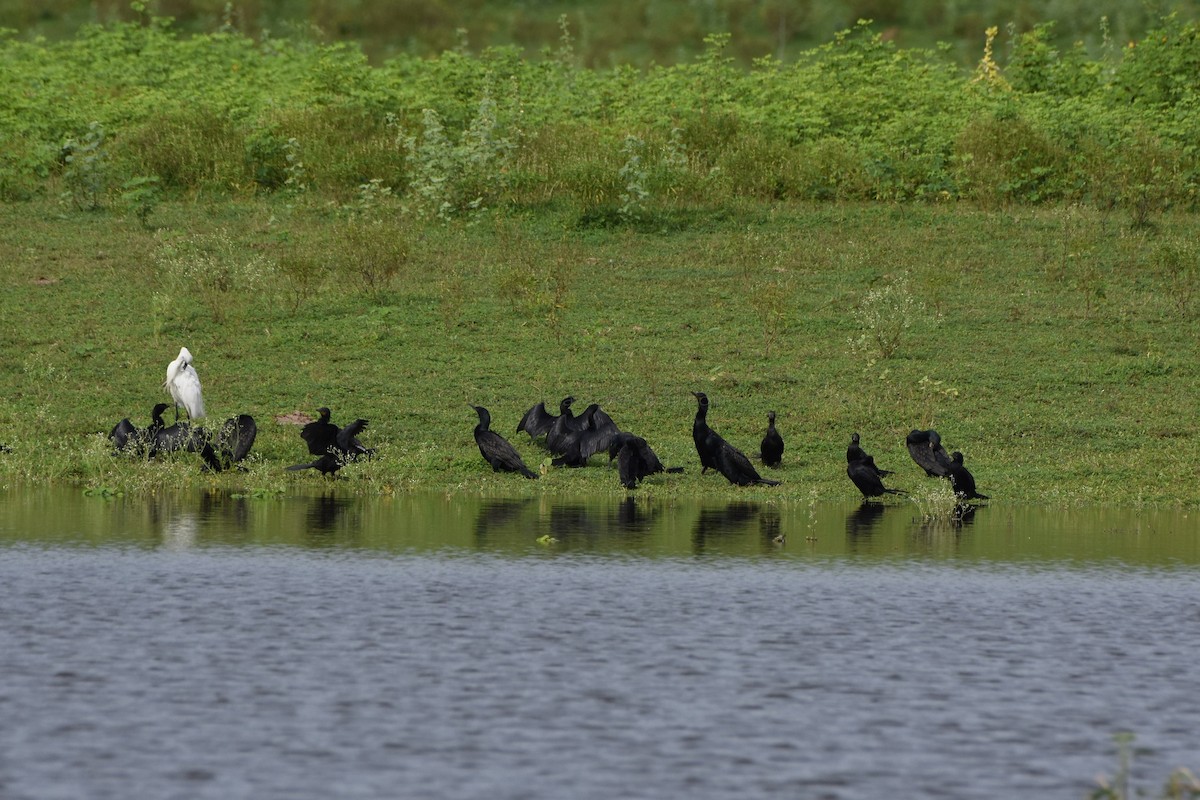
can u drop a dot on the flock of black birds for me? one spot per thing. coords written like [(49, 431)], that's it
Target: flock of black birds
[(333, 447), (926, 450), (572, 439), (224, 450)]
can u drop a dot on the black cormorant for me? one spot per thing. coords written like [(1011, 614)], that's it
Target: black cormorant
[(926, 449), (772, 444), (855, 453), (962, 480), (495, 449), (865, 476)]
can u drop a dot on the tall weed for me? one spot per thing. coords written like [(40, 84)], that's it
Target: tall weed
[(885, 316), (214, 270), (87, 172), (449, 178)]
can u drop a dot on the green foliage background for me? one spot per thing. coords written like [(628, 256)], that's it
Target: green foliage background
[(856, 118)]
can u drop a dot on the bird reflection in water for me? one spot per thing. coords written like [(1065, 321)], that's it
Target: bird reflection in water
[(633, 517), (717, 523), (862, 521), (588, 526), (496, 514), (214, 516), (325, 517), (943, 531), (571, 525), (574, 523)]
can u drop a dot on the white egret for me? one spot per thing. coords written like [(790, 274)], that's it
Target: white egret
[(183, 384)]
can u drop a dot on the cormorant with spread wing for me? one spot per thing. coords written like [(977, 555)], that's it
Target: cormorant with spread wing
[(865, 475), (322, 437), (127, 438), (591, 433), (538, 421), (635, 459)]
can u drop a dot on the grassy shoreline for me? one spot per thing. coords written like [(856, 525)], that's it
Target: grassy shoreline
[(1054, 346)]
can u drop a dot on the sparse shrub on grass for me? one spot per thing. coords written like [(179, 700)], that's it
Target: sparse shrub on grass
[(772, 299), (761, 168), (885, 315), (450, 178), (1176, 261), (88, 172), (266, 158), (1002, 159), (214, 270), (935, 502), (371, 253), (831, 168), (141, 195), (633, 177), (296, 181), (337, 147), (1147, 167), (302, 272)]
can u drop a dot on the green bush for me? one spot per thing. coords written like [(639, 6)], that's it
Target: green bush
[(856, 118)]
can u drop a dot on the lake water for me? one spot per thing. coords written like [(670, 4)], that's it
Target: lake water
[(464, 647)]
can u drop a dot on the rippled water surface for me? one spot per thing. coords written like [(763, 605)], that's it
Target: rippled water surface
[(216, 647)]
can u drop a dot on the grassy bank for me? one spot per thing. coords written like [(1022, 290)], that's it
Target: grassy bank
[(1054, 346)]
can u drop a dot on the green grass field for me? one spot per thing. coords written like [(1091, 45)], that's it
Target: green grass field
[(1056, 348)]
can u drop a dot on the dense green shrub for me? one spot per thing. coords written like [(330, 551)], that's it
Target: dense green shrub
[(856, 118)]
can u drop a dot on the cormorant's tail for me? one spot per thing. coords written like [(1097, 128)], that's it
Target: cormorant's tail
[(768, 482), (528, 473), (298, 467)]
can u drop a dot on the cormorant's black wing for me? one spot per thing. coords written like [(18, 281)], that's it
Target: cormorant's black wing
[(926, 449), (347, 440), (327, 464), (863, 477), (500, 454), (320, 437), (629, 465), (236, 437), (962, 480), (771, 448), (734, 465), (172, 438), (124, 434), (598, 435), (537, 421)]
